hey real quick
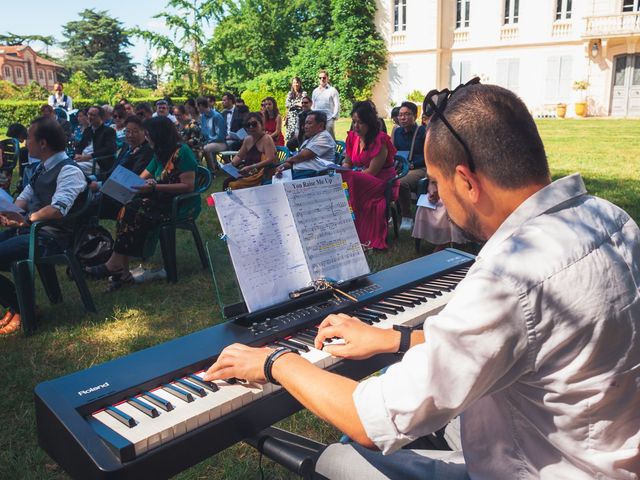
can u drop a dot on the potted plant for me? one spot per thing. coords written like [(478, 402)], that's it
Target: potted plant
[(581, 106), (561, 110)]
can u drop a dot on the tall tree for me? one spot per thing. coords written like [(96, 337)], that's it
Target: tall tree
[(149, 77), (95, 44)]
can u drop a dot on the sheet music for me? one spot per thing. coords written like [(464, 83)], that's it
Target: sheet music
[(121, 185), (326, 228), (230, 169), (264, 244), (239, 135), (423, 201), (285, 176), (6, 203)]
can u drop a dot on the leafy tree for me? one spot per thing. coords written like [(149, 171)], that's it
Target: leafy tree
[(102, 90), (15, 39), (33, 91), (95, 45), (149, 78)]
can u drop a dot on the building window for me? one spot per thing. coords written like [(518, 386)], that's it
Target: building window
[(462, 13), (630, 5), (399, 15), (40, 75), (7, 72), (50, 75), (460, 72), (19, 72), (30, 70), (511, 11), (563, 9), (508, 73), (558, 79)]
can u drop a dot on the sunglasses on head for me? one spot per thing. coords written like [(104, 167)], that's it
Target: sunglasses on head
[(251, 124), (436, 102)]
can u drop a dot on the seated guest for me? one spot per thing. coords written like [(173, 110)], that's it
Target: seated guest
[(143, 110), (370, 152), (256, 153), (119, 115), (192, 109), (98, 141), (305, 104), (214, 131), (395, 111), (317, 152), (59, 99), (409, 141), (189, 129), (170, 173), (272, 120), (50, 194), (162, 110), (135, 155), (83, 124), (108, 114), (48, 111), (232, 118)]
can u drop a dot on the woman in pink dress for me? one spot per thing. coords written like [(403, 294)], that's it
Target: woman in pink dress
[(370, 153), (272, 120)]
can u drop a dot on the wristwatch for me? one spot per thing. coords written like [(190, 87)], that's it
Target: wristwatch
[(405, 338)]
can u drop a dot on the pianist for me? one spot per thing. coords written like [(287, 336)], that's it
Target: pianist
[(538, 350)]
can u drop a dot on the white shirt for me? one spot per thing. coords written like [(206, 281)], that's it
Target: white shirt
[(228, 116), (69, 184), (56, 101), (323, 147), (327, 100), (539, 347)]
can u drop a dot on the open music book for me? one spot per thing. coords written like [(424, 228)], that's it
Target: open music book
[(283, 236)]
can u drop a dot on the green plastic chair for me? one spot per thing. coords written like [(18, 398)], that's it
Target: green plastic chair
[(24, 270), (166, 233), (10, 158), (393, 211), (282, 155), (340, 148)]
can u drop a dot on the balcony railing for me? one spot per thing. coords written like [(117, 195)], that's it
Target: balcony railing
[(398, 39), (460, 36), (613, 25), (508, 32), (561, 29)]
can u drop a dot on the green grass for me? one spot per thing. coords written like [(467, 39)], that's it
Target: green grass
[(606, 152)]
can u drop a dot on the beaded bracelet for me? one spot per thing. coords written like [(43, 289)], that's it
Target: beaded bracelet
[(270, 360)]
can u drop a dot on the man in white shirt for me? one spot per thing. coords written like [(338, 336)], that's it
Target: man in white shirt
[(326, 99), (162, 110), (316, 153), (538, 351), (59, 99)]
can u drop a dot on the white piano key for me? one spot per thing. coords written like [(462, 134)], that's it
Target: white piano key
[(145, 425), (137, 437), (177, 418)]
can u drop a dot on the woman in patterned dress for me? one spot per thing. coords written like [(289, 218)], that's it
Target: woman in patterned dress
[(293, 102)]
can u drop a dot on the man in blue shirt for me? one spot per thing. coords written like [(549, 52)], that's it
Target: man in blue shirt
[(214, 131), (408, 139)]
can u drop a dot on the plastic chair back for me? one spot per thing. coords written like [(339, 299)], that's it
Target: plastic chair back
[(283, 154), (401, 165), (10, 153), (340, 148), (61, 113), (203, 179)]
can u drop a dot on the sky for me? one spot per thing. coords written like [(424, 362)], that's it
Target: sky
[(40, 17)]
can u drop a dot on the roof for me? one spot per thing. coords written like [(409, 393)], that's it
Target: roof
[(6, 50)]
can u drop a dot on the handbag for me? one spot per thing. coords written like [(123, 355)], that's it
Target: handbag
[(94, 246)]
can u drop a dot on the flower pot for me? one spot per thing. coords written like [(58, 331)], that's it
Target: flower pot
[(581, 109), (561, 110)]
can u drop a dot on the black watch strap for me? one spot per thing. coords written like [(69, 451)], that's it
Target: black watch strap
[(405, 338)]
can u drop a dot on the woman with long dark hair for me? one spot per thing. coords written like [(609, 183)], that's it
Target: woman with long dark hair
[(170, 173), (370, 153), (293, 102), (272, 120)]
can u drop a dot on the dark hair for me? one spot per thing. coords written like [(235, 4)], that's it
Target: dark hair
[(144, 106), (395, 111), (240, 100), (100, 110), (49, 130), (120, 110), (84, 111), (134, 119), (230, 96), (411, 106), (318, 116), (164, 136), (202, 102), (191, 102), (256, 115), (368, 116), (276, 112), (17, 130), (46, 107), (242, 109), (292, 92), (499, 131), (122, 101), (308, 98)]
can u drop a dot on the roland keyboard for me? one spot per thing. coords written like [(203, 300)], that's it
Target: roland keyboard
[(151, 415)]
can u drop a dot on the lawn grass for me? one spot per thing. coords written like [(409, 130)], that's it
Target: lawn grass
[(606, 152)]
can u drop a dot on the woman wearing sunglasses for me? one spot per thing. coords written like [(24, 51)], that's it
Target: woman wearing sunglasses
[(257, 152), (370, 153)]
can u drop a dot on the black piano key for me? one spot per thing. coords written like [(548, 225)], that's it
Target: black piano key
[(441, 285), (424, 288), (397, 308), (121, 416), (381, 315), (197, 389), (305, 341), (427, 294), (305, 334), (283, 343), (144, 407), (401, 301), (178, 392), (294, 344), (212, 387), (412, 296), (366, 316), (364, 320), (158, 401), (234, 380)]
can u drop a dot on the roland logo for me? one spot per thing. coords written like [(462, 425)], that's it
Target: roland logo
[(93, 389)]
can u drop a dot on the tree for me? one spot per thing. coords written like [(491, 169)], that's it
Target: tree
[(96, 45), (149, 78)]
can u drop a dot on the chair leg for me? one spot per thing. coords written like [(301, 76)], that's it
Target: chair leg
[(78, 277), (394, 218), (199, 246), (417, 245), (25, 290), (168, 247), (49, 279)]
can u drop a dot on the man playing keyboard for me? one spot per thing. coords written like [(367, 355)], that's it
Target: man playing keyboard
[(538, 350)]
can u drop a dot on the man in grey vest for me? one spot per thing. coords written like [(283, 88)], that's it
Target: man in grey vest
[(50, 194)]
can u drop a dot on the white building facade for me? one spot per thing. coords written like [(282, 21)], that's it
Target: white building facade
[(537, 48)]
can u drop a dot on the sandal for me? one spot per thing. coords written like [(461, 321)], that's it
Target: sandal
[(13, 325), (117, 281), (100, 271)]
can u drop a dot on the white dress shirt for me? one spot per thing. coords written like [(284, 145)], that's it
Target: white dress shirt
[(323, 147), (539, 349), (327, 100), (69, 184)]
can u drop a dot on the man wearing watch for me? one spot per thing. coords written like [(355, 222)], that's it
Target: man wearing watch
[(50, 194), (538, 349)]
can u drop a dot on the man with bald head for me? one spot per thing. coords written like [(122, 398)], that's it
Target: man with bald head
[(538, 350)]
